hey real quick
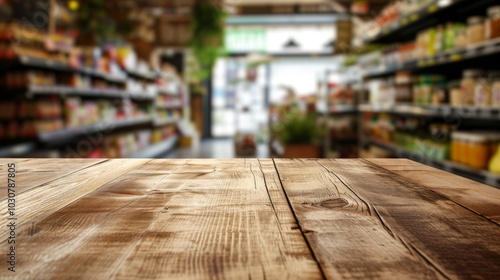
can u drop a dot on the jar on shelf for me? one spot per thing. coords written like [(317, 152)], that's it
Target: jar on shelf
[(458, 147), (468, 85), (482, 91), (456, 94), (478, 150), (492, 25), (461, 35), (475, 30)]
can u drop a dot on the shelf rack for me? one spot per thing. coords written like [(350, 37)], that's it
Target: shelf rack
[(103, 126), (159, 149), (471, 53), (484, 54), (434, 13), (52, 65), (68, 135), (434, 111)]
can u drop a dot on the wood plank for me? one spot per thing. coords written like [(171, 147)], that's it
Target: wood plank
[(344, 232), (40, 201), (32, 173), (482, 199), (452, 239), (173, 219)]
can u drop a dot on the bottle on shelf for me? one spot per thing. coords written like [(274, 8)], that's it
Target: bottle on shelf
[(493, 23)]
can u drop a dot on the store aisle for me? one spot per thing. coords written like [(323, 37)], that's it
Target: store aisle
[(214, 148)]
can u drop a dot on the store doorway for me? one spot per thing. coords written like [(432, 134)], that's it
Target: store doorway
[(240, 99)]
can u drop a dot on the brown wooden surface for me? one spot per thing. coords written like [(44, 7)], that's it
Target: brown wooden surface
[(249, 219)]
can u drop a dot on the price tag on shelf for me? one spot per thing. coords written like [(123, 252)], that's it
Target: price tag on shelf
[(404, 21), (414, 17), (421, 63), (433, 9)]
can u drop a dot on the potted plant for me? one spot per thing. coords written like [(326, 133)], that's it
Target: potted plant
[(207, 41), (298, 133)]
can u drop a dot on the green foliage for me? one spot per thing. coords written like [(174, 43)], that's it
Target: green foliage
[(298, 129), (207, 36), (93, 19)]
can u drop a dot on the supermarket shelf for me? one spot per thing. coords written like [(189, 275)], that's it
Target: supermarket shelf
[(104, 126), (167, 92), (17, 150), (157, 150), (86, 92), (141, 75), (432, 14), (67, 90), (141, 97), (104, 76), (434, 111), (169, 106), (343, 109), (158, 123), (63, 67), (482, 176), (478, 51)]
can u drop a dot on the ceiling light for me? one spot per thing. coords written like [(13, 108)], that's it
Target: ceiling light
[(291, 44)]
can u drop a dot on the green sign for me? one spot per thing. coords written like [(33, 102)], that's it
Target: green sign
[(246, 40)]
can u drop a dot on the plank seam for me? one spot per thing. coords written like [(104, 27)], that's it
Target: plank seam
[(271, 200), (372, 209), (23, 227), (302, 232), (62, 176)]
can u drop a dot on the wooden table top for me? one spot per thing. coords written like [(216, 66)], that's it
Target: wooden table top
[(248, 219)]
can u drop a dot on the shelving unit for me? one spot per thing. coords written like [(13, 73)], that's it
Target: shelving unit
[(169, 106), (106, 125), (436, 12), (445, 59), (158, 149), (117, 91), (40, 63), (449, 64), (434, 111), (334, 113)]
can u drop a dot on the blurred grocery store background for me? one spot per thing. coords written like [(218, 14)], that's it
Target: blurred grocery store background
[(416, 79)]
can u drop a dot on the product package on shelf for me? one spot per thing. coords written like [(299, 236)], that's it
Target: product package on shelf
[(482, 145)]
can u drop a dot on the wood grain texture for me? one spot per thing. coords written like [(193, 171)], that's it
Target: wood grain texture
[(194, 219), (482, 199), (346, 235), (250, 219), (33, 173), (38, 201), (453, 240)]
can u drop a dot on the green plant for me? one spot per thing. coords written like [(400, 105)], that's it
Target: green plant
[(207, 36), (96, 21), (296, 128)]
